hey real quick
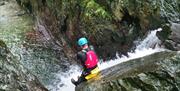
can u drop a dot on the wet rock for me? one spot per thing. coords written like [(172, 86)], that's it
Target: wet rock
[(156, 72), (13, 76), (2, 3), (170, 35)]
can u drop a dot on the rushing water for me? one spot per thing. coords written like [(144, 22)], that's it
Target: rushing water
[(143, 49)]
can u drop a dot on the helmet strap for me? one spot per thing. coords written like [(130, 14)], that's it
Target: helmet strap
[(85, 46)]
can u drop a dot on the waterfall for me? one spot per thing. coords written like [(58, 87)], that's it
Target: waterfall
[(148, 46), (151, 41)]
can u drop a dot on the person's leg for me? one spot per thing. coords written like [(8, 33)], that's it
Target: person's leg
[(80, 79)]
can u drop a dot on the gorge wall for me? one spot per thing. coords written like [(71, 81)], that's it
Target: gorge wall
[(111, 26), (104, 23)]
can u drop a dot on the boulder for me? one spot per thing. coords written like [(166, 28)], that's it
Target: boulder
[(170, 36)]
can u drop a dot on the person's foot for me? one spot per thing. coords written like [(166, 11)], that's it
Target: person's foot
[(73, 81)]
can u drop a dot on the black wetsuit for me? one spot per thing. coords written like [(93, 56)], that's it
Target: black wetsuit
[(82, 57)]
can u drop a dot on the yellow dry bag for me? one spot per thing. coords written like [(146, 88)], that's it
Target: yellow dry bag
[(93, 73)]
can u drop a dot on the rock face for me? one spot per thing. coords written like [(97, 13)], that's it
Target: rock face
[(104, 23), (13, 76), (170, 36), (157, 72)]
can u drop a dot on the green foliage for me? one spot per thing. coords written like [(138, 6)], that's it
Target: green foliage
[(49, 3), (91, 9)]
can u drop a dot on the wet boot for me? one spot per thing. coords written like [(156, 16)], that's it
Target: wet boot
[(74, 82)]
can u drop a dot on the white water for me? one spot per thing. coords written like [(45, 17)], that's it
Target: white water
[(143, 49)]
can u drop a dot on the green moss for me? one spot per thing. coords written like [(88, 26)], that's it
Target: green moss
[(49, 3)]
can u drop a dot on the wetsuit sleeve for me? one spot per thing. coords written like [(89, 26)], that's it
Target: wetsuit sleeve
[(91, 48), (82, 57)]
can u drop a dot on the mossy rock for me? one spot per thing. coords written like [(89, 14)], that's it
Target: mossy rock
[(165, 33), (13, 76), (3, 48)]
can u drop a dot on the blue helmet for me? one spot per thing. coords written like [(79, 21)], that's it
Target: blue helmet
[(82, 41)]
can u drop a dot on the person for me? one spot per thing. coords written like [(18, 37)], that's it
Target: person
[(87, 58)]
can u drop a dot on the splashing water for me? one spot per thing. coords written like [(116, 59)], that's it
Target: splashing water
[(65, 83), (151, 41), (143, 49)]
